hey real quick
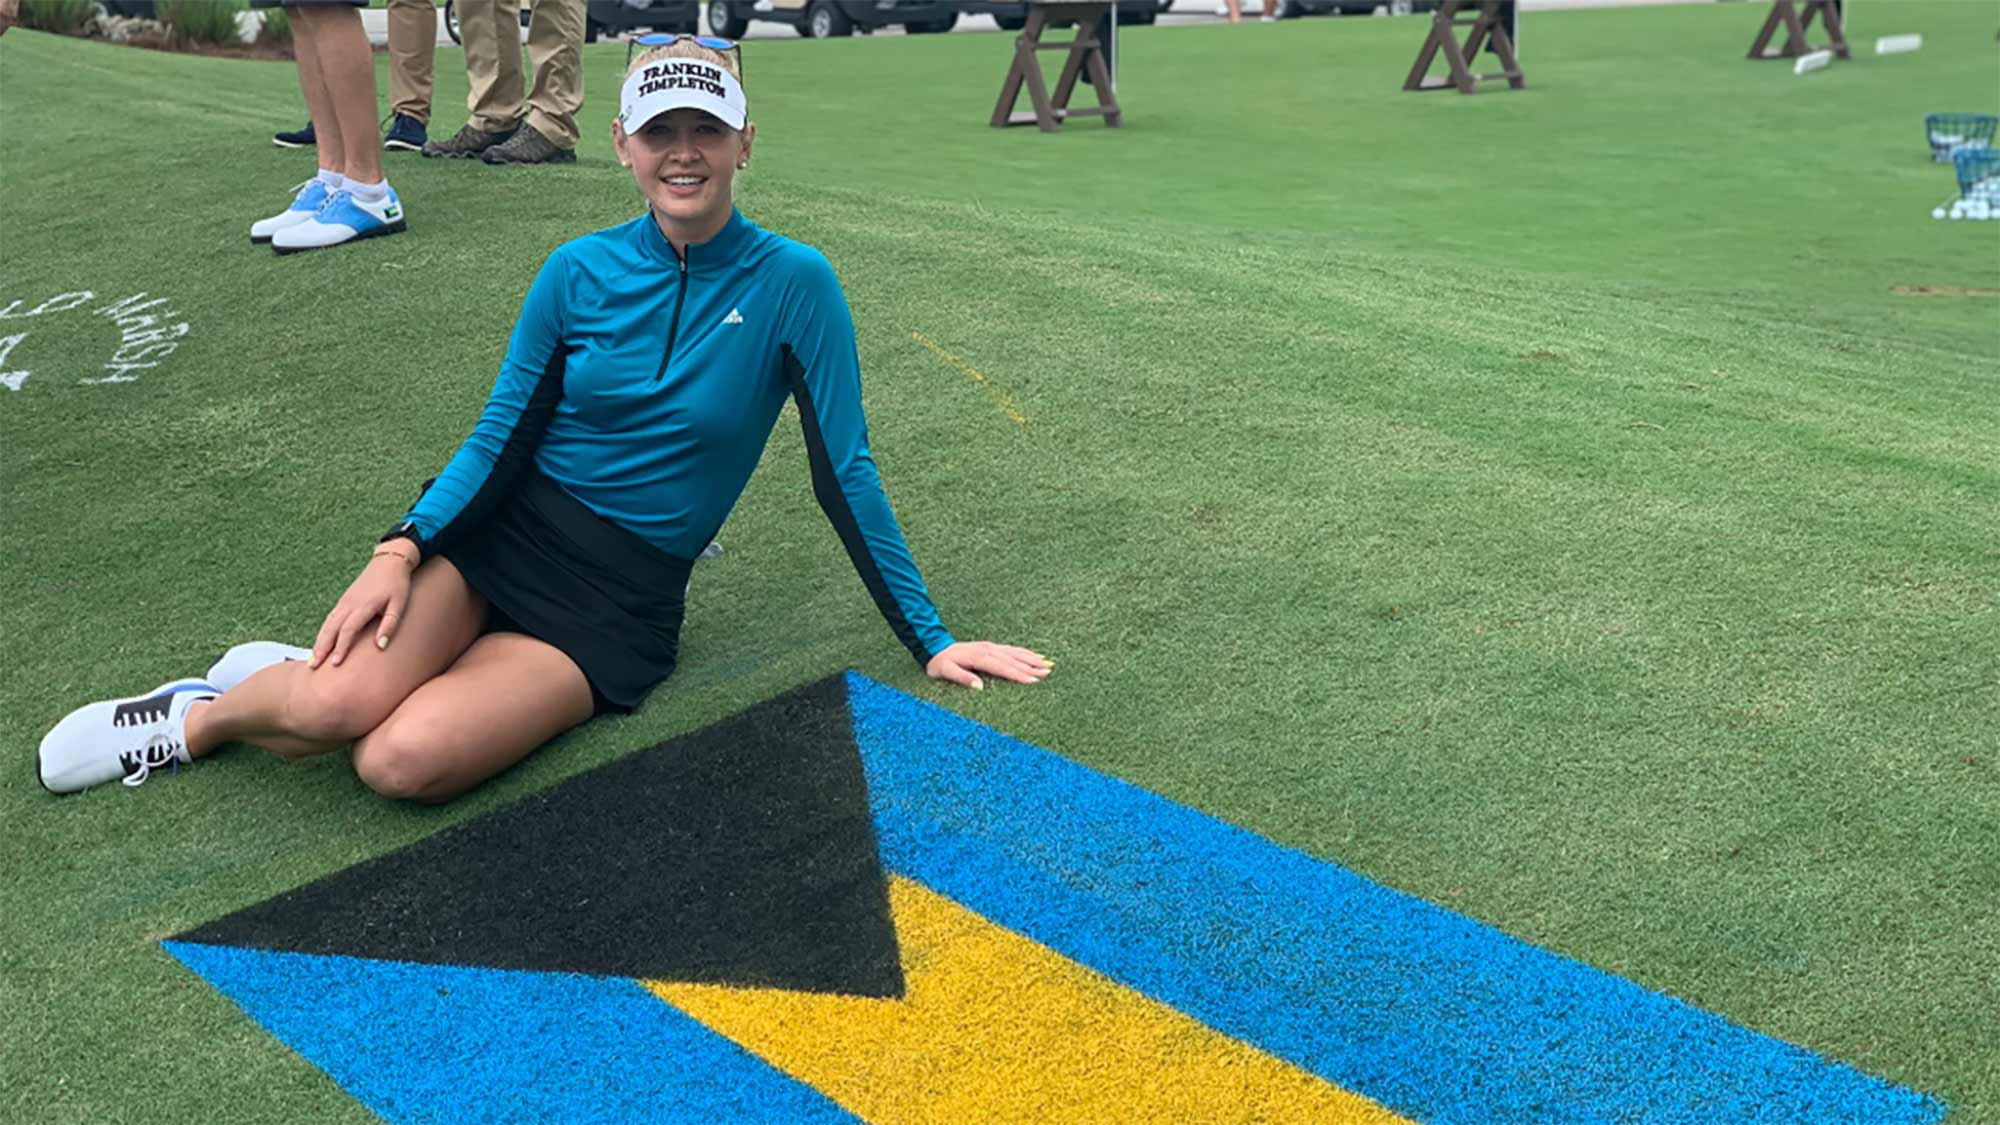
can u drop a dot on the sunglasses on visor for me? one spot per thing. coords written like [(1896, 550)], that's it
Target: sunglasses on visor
[(660, 39)]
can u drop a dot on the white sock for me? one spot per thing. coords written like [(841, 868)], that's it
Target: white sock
[(332, 180), (372, 193)]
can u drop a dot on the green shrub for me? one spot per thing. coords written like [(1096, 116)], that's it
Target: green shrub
[(203, 21), (64, 17), (276, 30)]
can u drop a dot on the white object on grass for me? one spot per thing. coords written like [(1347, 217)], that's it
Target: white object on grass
[(1937, 212), (1809, 63), (1898, 44)]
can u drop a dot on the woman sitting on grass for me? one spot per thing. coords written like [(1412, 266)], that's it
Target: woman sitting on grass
[(539, 580)]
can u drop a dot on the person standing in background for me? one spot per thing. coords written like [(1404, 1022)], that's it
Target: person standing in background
[(413, 31), (412, 47), (350, 198), (501, 126)]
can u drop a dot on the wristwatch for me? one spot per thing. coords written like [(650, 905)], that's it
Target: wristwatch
[(406, 530)]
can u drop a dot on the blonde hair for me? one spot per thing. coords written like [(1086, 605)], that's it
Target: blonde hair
[(689, 49)]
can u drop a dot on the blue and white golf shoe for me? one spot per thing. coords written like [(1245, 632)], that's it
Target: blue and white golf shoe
[(311, 196), (342, 218)]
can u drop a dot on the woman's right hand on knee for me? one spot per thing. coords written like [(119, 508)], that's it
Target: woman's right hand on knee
[(378, 596)]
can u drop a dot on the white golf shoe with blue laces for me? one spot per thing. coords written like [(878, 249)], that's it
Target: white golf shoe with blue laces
[(120, 739), (343, 218), (310, 196)]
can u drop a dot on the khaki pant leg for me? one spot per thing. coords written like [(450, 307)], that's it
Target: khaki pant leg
[(412, 50), (555, 46), (491, 30)]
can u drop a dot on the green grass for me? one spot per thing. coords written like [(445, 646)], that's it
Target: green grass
[(1542, 502)]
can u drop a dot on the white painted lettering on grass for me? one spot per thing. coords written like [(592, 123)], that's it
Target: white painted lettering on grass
[(148, 332), (142, 336), (12, 380), (61, 302)]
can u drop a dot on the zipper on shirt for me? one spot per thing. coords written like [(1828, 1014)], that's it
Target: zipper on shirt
[(674, 328)]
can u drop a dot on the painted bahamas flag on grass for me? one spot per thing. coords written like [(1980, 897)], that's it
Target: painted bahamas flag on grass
[(847, 904)]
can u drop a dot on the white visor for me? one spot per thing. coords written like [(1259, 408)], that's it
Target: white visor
[(665, 84)]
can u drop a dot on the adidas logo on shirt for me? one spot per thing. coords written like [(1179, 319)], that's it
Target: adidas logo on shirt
[(734, 317)]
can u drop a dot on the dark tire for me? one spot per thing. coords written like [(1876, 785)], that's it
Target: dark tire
[(451, 21), (825, 20), (590, 30), (723, 20), (936, 27), (1011, 23)]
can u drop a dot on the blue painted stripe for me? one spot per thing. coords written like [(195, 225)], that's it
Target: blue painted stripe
[(1428, 1012), (430, 1043)]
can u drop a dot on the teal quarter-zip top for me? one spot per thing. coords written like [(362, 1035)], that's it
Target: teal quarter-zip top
[(646, 384)]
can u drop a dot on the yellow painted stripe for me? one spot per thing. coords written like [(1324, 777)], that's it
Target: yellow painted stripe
[(1000, 398), (997, 1028)]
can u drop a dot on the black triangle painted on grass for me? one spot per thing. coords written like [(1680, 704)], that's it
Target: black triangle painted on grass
[(740, 854)]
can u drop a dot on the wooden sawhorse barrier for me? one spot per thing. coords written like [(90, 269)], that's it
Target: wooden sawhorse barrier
[(1051, 110), (1786, 13), (1487, 25)]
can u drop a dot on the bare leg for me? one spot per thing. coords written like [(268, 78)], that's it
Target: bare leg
[(504, 698), (1236, 11), (292, 710), (319, 99), (346, 66)]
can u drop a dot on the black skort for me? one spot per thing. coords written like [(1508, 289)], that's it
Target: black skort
[(551, 568)]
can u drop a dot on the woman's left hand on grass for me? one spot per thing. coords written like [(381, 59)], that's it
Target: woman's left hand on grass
[(961, 664)]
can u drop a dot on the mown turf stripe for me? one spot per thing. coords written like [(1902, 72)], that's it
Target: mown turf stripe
[(438, 1043), (994, 1028), (1425, 1011)]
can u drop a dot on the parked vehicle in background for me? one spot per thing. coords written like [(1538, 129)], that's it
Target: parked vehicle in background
[(614, 17), (826, 19), (635, 17), (1291, 9), (1014, 16)]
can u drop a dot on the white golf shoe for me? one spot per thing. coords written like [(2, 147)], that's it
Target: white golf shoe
[(248, 659), (311, 195), (341, 219), (120, 738)]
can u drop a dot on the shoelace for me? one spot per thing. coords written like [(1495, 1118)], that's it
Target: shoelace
[(333, 200), (159, 750)]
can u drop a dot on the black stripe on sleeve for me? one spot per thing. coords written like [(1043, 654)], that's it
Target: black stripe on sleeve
[(832, 501), (515, 455)]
